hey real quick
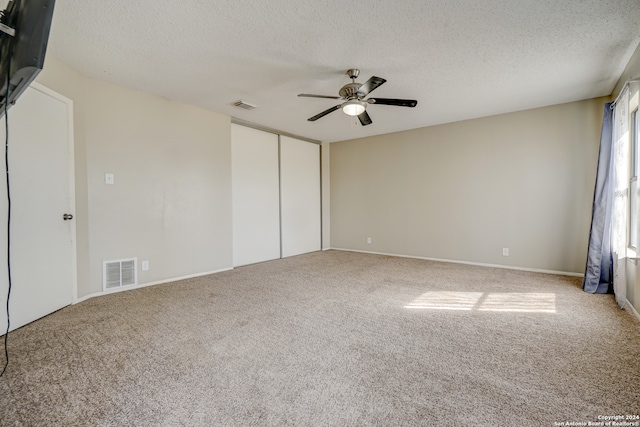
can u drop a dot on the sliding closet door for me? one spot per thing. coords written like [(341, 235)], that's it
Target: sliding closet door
[(299, 196), (255, 192)]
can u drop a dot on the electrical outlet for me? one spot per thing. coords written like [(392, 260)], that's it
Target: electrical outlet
[(368, 240), (108, 178), (505, 251), (145, 265)]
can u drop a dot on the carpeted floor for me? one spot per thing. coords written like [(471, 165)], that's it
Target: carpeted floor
[(330, 339)]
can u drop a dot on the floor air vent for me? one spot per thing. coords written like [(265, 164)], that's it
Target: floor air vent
[(118, 273)]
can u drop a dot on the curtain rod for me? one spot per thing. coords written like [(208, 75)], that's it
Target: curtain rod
[(624, 86)]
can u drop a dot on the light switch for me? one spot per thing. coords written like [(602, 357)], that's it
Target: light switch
[(108, 178)]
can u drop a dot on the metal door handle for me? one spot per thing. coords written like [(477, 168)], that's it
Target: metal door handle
[(67, 217)]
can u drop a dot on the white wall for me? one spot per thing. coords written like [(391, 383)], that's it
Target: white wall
[(465, 190), (171, 202)]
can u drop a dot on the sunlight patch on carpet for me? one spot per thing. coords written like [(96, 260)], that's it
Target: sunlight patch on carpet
[(528, 302), (446, 300)]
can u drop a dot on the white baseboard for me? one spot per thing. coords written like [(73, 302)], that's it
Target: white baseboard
[(175, 279), (144, 285), (480, 264), (86, 297), (632, 309)]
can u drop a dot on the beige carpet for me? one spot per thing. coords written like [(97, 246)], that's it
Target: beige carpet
[(330, 339)]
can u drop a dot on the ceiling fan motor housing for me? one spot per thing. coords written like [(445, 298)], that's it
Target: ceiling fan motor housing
[(350, 91)]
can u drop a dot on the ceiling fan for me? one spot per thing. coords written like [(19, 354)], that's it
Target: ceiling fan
[(353, 95)]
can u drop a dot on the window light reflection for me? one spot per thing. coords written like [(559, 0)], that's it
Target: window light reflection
[(446, 300), (526, 302)]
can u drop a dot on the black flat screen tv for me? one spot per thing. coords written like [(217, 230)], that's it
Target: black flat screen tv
[(22, 53)]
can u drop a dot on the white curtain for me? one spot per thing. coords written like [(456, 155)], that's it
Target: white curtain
[(621, 191)]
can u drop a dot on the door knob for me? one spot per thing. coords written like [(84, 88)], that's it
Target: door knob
[(67, 217)]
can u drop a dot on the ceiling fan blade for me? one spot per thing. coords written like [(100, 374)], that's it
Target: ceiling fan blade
[(393, 101), (370, 85), (364, 118), (309, 95), (324, 113)]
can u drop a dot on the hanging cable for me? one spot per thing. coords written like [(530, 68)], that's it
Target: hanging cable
[(6, 164)]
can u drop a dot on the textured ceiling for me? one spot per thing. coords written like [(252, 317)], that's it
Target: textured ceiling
[(460, 59)]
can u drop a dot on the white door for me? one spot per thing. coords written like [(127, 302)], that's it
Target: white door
[(256, 195), (42, 247), (300, 196)]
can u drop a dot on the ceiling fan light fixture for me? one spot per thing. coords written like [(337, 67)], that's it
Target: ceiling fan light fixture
[(354, 107)]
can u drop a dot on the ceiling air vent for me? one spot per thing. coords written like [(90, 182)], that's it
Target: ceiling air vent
[(244, 105), (118, 273)]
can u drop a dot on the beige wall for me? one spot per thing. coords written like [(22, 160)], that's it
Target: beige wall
[(465, 190), (325, 159), (171, 202)]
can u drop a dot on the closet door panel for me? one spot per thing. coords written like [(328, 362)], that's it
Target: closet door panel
[(255, 192), (299, 196)]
